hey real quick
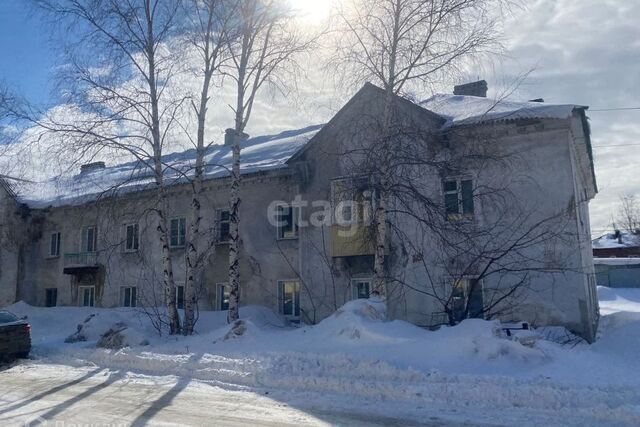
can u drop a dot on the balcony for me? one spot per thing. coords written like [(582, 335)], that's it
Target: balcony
[(83, 262), (351, 240)]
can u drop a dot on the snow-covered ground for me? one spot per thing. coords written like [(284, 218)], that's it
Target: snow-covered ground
[(358, 361)]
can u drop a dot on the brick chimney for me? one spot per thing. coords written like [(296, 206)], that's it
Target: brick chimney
[(91, 167), (478, 88), (229, 134)]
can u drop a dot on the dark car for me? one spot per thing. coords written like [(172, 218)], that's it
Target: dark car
[(15, 336)]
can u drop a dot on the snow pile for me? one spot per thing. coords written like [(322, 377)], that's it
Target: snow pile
[(465, 110), (358, 353)]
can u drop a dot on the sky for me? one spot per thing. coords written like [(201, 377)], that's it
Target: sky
[(579, 52), (26, 57)]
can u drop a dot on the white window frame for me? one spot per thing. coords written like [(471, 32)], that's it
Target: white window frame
[(133, 299), (184, 236), (356, 281), (85, 239), (459, 215), (219, 222), (136, 237), (58, 237), (81, 290), (220, 295), (295, 306), (295, 217)]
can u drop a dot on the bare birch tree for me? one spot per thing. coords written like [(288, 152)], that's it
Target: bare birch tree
[(118, 75), (628, 216), (208, 34), (403, 45), (263, 52)]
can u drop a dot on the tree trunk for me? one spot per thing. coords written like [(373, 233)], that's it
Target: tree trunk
[(167, 264), (169, 283), (196, 216), (192, 258), (234, 240)]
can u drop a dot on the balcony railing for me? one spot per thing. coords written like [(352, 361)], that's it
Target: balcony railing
[(82, 259)]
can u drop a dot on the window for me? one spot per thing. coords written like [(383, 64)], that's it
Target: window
[(178, 232), (51, 297), (86, 296), (361, 288), (289, 298), (128, 296), (180, 297), (287, 217), (89, 239), (54, 245), (222, 296), (131, 238), (467, 292), (223, 226), (458, 198)]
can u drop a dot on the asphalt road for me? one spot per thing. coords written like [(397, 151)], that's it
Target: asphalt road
[(55, 395)]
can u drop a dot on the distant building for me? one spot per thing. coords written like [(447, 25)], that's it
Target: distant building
[(617, 272), (617, 245)]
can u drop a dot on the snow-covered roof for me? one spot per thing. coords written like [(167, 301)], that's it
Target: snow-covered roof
[(616, 261), (610, 241), (258, 154), (460, 110)]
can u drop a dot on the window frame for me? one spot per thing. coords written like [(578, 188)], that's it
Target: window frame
[(355, 289), (85, 239), (81, 290), (133, 296), (295, 219), (58, 244), (220, 289), (468, 280), (460, 214), (296, 305), (219, 222), (178, 305), (136, 237), (184, 235)]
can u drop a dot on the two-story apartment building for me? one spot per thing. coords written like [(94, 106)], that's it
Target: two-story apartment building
[(90, 239)]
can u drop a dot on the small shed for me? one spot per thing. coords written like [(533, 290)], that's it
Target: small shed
[(617, 272)]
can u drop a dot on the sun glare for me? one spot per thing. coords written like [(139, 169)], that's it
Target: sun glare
[(313, 11)]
